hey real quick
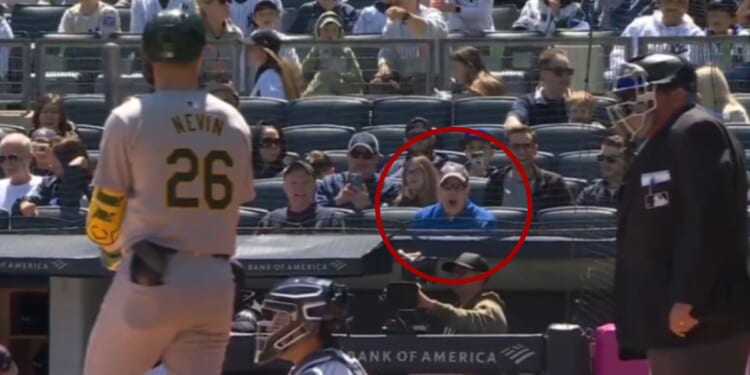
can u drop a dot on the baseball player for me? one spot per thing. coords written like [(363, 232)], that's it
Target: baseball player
[(174, 167), (300, 316)]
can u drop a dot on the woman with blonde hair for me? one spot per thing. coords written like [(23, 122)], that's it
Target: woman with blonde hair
[(714, 95), (469, 71), (418, 183), (274, 78)]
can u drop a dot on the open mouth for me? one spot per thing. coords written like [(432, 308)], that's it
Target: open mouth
[(452, 202)]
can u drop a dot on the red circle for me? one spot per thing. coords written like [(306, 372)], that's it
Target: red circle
[(404, 262)]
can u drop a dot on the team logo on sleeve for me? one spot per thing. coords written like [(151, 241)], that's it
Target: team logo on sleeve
[(109, 21)]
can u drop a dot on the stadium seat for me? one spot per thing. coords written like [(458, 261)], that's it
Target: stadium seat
[(93, 159), (305, 138), (478, 186), (390, 138), (517, 57), (51, 217), (510, 219), (504, 16), (90, 135), (515, 82), (256, 109), (574, 185), (124, 19), (586, 58), (4, 220), (128, 84), (482, 110), (36, 20), (577, 221), (269, 194), (7, 128), (86, 109), (394, 218), (560, 138), (338, 158), (744, 99), (543, 160), (401, 109), (81, 53), (250, 217), (742, 133), (452, 141), (579, 164), (335, 110), (747, 160)]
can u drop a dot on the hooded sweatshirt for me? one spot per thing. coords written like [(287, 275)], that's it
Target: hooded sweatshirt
[(334, 70)]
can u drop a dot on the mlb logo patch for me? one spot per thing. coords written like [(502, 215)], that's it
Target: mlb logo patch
[(109, 21)]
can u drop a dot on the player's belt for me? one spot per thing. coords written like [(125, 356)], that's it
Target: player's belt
[(150, 262)]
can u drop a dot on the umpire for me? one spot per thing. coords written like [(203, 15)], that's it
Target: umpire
[(682, 291)]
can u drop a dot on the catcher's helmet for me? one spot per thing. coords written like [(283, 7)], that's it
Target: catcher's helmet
[(173, 36), (296, 308), (636, 82)]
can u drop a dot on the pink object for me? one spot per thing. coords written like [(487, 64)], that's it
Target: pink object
[(606, 360)]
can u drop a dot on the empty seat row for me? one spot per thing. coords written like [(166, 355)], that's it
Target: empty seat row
[(342, 110)]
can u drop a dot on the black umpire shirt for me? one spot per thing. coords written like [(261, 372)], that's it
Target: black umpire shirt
[(682, 237)]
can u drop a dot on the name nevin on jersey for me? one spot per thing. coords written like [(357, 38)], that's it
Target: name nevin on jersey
[(198, 122)]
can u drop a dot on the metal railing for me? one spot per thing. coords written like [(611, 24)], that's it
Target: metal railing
[(77, 64)]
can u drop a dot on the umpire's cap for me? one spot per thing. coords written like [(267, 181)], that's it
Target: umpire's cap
[(657, 69), (174, 36)]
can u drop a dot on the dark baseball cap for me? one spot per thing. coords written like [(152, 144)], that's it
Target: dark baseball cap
[(725, 5), (469, 136), (6, 360), (469, 261), (418, 123), (299, 165), (266, 38), (366, 140)]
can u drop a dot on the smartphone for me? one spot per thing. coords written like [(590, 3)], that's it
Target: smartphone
[(477, 159), (356, 180), (402, 295)]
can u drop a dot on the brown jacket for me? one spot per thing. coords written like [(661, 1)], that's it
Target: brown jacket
[(484, 314)]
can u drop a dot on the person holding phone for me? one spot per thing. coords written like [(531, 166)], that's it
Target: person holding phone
[(355, 188), (479, 153)]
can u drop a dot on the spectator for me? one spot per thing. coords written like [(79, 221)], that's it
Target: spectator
[(506, 188), (6, 32), (242, 13), (581, 108), (546, 16), (69, 184), (7, 365), (471, 75), (546, 105), (90, 16), (225, 92), (743, 13), (302, 210), (418, 183), (612, 164), (142, 10), (372, 18), (466, 16), (617, 14), (42, 141), (733, 58), (408, 19), (267, 16), (274, 77), (670, 19), (321, 163), (713, 93), (331, 70), (49, 112), (479, 153), (269, 150), (15, 159), (356, 188), (479, 311), (309, 13), (454, 209), (218, 56), (426, 147)]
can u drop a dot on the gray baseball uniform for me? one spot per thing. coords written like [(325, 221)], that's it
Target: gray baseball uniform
[(184, 160)]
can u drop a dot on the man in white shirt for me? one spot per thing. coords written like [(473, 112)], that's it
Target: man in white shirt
[(5, 33), (90, 16), (142, 10), (466, 16), (15, 159)]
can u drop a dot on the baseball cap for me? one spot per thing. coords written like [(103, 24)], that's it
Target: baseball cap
[(6, 360), (43, 133), (469, 136), (266, 38), (469, 261), (454, 170), (269, 4), (366, 140), (726, 5), (418, 123), (297, 165)]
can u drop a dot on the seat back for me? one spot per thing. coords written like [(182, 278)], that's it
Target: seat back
[(51, 217), (510, 220), (482, 110), (560, 138), (579, 164), (390, 137), (454, 140), (577, 221), (36, 20), (393, 218), (250, 217), (256, 109), (90, 135), (269, 194), (335, 110), (742, 133), (86, 109), (304, 138), (401, 109), (477, 186)]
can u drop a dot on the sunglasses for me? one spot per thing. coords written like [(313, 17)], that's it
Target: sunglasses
[(521, 146), (453, 185), (560, 71), (361, 155), (40, 146), (9, 157), (607, 158), (270, 142)]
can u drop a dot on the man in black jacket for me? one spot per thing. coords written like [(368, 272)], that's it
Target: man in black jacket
[(682, 292)]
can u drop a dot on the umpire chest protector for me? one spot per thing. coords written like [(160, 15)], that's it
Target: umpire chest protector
[(313, 363)]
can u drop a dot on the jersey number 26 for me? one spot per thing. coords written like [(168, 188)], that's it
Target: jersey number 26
[(202, 169)]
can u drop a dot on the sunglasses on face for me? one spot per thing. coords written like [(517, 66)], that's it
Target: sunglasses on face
[(361, 155), (560, 71), (453, 185), (9, 157), (521, 146), (270, 142), (607, 158)]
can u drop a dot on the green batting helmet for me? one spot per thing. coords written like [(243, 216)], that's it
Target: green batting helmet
[(173, 36)]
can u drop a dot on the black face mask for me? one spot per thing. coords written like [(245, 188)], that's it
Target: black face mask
[(381, 6)]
